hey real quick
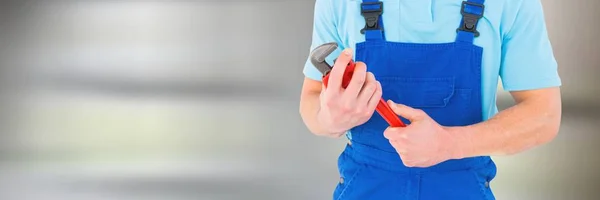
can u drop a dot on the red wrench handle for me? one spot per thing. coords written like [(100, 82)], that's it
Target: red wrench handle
[(388, 114), (382, 107)]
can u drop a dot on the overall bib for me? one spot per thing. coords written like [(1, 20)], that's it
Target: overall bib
[(442, 79)]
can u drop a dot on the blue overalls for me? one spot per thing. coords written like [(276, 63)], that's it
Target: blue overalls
[(442, 79)]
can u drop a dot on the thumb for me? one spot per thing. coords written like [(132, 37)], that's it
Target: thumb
[(407, 112)]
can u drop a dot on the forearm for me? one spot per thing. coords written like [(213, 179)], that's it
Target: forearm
[(309, 109), (529, 123)]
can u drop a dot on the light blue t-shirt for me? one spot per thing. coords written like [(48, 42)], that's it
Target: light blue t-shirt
[(516, 47)]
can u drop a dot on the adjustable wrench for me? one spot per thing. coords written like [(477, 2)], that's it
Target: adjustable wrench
[(317, 57)]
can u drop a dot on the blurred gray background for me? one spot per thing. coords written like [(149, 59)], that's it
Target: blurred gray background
[(178, 100)]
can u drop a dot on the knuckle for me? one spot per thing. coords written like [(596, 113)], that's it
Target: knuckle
[(359, 111), (329, 102), (368, 113)]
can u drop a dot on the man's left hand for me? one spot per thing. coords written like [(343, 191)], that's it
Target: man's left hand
[(424, 142)]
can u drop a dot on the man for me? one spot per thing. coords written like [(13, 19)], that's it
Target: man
[(439, 63)]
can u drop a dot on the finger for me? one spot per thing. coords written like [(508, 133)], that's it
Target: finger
[(358, 81), (325, 96), (407, 112), (407, 162), (412, 164), (400, 148), (419, 163), (412, 161), (337, 73), (395, 134), (336, 135), (427, 164), (368, 89), (375, 98)]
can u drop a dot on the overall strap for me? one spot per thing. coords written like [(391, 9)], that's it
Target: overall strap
[(471, 11), (372, 11)]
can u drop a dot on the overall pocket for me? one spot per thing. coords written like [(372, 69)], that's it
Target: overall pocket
[(362, 180), (348, 170), (438, 97), (483, 178)]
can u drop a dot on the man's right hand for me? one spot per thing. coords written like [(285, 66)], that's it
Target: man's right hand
[(342, 109)]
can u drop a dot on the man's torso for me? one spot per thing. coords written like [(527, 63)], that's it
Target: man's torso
[(429, 21)]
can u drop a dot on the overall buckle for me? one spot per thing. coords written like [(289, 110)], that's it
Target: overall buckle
[(371, 15), (470, 20)]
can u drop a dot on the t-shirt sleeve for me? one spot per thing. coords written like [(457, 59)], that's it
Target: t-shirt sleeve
[(324, 31), (527, 58)]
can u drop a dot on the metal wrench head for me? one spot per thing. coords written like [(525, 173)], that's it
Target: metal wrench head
[(320, 53)]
